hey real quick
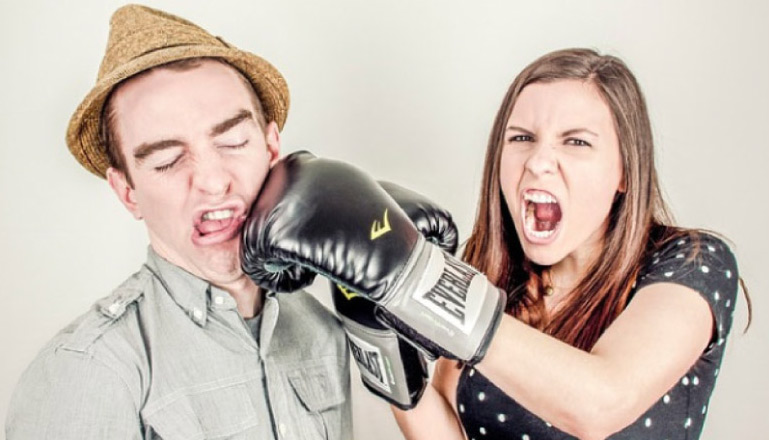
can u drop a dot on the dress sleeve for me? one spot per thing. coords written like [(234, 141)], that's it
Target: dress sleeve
[(71, 395), (705, 264)]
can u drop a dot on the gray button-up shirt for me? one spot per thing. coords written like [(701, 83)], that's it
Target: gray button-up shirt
[(168, 356)]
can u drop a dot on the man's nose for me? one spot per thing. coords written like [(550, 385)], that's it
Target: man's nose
[(211, 175), (543, 159)]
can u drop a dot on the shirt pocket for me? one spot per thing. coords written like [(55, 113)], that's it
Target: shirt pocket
[(320, 391), (210, 411)]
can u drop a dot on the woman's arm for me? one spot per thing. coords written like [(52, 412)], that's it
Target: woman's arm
[(643, 353), (435, 416)]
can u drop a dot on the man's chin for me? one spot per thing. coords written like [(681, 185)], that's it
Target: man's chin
[(219, 263)]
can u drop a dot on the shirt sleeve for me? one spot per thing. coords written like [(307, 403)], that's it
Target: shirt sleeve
[(71, 395), (705, 264)]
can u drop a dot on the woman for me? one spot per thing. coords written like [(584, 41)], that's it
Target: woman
[(616, 321)]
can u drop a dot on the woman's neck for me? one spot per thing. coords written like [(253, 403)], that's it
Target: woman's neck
[(562, 278)]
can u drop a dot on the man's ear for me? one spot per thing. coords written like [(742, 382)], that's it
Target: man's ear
[(125, 192), (273, 141)]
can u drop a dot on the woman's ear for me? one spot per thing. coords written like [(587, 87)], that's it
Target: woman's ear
[(622, 184)]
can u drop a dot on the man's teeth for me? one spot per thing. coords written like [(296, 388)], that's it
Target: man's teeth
[(538, 197), (217, 215)]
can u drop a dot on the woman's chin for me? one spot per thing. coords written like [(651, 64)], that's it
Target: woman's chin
[(542, 250), (543, 259), (543, 255)]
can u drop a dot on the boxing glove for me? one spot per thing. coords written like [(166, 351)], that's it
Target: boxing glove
[(390, 367), (328, 217)]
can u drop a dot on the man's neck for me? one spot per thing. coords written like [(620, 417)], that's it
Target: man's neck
[(246, 294)]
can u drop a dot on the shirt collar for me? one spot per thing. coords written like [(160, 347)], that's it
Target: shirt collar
[(188, 291), (270, 309)]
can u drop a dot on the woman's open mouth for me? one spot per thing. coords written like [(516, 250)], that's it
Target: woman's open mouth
[(541, 215)]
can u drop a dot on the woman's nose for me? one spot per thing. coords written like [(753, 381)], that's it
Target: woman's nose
[(542, 160)]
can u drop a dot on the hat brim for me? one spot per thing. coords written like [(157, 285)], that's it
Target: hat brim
[(83, 130)]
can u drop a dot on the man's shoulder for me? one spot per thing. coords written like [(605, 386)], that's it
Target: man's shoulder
[(98, 349), (104, 334)]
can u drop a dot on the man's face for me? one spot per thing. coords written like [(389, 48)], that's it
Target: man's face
[(197, 158)]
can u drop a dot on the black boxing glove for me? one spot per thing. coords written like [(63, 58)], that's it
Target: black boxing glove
[(390, 367), (432, 221), (333, 219)]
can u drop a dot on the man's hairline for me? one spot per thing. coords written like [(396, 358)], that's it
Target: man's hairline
[(109, 113)]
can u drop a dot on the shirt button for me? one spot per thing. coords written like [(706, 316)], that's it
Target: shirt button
[(197, 313), (218, 300), (282, 429), (113, 308)]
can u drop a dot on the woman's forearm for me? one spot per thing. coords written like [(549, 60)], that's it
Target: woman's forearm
[(432, 418)]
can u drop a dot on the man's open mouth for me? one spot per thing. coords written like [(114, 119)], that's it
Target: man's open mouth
[(215, 221), (218, 225)]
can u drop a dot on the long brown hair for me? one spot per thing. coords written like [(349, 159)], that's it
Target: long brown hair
[(640, 210)]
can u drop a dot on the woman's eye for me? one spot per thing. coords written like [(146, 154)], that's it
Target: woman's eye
[(520, 138), (578, 142)]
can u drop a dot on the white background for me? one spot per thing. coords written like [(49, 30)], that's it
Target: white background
[(406, 90)]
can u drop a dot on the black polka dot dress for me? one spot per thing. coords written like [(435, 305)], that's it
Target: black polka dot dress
[(488, 413)]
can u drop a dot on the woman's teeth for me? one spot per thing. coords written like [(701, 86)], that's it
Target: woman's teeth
[(538, 197), (540, 234)]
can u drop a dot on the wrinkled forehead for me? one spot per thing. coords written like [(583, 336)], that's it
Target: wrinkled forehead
[(193, 72), (562, 104), (179, 104), (181, 68)]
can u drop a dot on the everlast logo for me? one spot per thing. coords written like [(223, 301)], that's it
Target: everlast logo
[(369, 360), (451, 289), (380, 229)]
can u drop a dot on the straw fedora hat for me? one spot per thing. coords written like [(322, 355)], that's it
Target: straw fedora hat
[(141, 38)]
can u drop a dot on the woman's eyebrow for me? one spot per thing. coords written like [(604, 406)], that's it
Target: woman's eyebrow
[(517, 128), (578, 130)]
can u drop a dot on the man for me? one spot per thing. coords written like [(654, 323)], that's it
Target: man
[(185, 128)]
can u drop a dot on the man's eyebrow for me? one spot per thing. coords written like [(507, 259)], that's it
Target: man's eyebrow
[(148, 148), (230, 122)]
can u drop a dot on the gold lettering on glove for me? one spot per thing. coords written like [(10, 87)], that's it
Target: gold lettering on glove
[(349, 294), (380, 229)]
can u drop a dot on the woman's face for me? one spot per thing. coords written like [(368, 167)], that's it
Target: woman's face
[(560, 170)]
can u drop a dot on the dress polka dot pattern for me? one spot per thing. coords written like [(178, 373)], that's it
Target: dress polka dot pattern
[(707, 266)]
